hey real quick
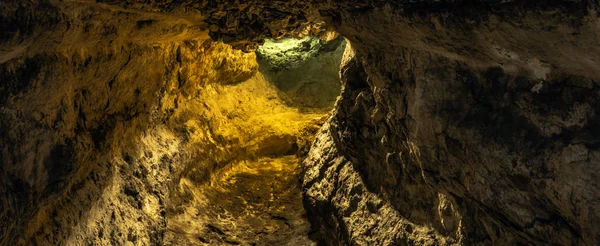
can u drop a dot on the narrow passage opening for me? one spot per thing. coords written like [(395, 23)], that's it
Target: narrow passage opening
[(255, 198)]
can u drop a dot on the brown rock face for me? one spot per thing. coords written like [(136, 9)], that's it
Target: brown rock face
[(91, 132), (459, 122), (480, 127)]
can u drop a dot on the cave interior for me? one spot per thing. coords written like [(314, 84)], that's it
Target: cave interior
[(358, 122)]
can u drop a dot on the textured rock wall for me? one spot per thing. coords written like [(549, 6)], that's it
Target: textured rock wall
[(305, 71), (474, 127), (468, 122), (113, 114), (93, 115)]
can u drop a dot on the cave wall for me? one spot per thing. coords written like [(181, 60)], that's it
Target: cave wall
[(112, 114), (475, 127), (459, 122), (305, 71), (96, 124)]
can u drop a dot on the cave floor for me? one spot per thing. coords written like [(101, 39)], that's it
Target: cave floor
[(249, 203)]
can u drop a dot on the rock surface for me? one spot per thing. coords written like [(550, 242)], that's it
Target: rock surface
[(249, 203), (474, 119), (305, 71), (255, 197), (465, 127), (105, 109), (459, 122), (96, 123)]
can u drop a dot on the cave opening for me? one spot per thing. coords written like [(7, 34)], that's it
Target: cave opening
[(267, 123)]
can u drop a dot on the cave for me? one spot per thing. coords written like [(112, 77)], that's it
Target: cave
[(267, 123), (359, 122)]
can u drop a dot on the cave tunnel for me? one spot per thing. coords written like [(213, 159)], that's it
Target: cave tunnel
[(306, 122), (268, 122)]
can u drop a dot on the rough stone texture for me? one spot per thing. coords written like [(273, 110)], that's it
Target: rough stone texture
[(105, 109), (91, 133), (254, 202), (480, 126), (305, 71), (287, 53), (460, 122)]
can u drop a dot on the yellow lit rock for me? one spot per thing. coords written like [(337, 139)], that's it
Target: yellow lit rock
[(243, 187)]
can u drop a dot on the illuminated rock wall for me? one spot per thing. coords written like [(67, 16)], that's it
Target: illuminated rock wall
[(467, 122), (306, 70), (460, 121), (110, 116), (97, 121)]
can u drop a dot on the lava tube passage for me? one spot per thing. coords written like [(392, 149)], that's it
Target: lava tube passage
[(261, 129)]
